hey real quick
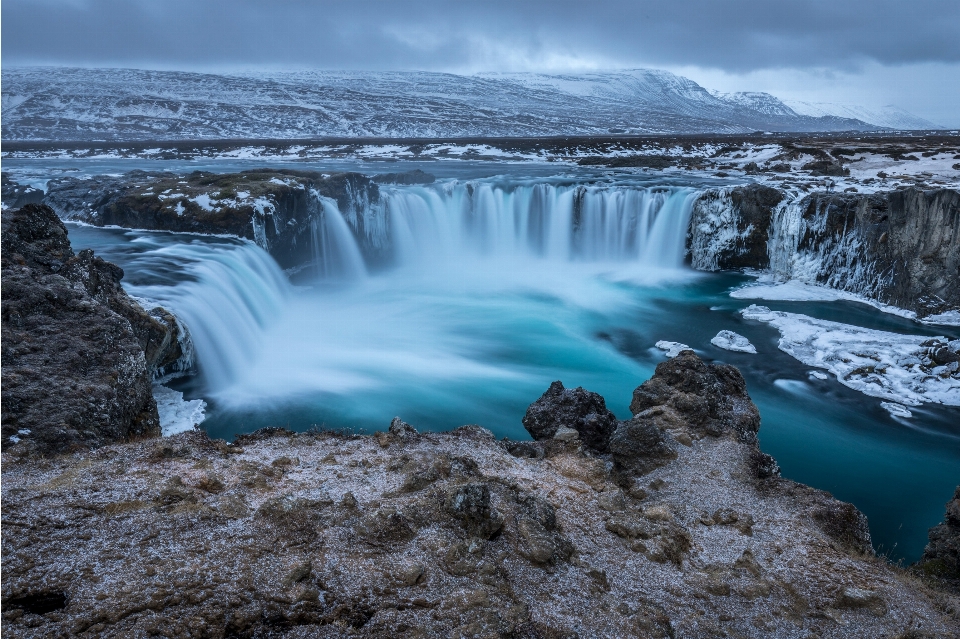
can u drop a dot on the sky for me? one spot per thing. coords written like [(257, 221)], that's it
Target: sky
[(866, 52)]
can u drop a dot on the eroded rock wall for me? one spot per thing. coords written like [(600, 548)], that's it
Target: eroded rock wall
[(78, 353)]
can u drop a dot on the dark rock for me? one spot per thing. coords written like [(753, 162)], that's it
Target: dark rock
[(750, 209), (16, 195), (845, 524), (901, 248), (538, 538), (711, 398), (471, 505), (78, 353), (941, 557), (826, 168), (574, 408), (642, 444), (401, 429)]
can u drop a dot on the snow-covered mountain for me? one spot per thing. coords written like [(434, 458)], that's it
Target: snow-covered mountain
[(126, 104), (889, 116)]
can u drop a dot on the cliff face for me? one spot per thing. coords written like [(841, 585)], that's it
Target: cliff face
[(278, 209), (899, 247), (669, 524), (78, 353)]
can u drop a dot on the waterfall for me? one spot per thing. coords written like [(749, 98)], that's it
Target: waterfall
[(429, 225), (226, 293), (335, 252)]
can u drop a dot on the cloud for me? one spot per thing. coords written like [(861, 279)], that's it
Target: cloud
[(800, 41), (433, 35)]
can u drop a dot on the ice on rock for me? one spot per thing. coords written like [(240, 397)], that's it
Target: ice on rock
[(672, 348), (731, 341), (891, 366), (896, 410), (176, 414)]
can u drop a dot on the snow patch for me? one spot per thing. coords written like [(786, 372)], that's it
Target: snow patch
[(176, 414), (731, 341), (896, 410), (796, 291), (887, 365), (672, 348)]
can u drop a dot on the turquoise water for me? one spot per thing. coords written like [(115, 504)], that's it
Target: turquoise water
[(478, 340)]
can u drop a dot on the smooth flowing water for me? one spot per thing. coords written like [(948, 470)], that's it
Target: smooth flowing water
[(496, 287)]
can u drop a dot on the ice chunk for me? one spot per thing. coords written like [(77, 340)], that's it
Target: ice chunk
[(733, 342), (897, 410), (176, 414), (673, 348), (819, 375), (891, 366)]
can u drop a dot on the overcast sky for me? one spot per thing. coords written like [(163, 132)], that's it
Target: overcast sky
[(868, 52)]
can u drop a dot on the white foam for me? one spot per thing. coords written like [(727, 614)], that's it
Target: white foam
[(731, 341), (672, 348), (887, 365), (176, 414)]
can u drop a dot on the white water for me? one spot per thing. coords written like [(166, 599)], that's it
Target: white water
[(467, 258)]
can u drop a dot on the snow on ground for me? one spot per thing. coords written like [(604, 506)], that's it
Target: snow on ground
[(766, 288), (731, 341), (890, 366), (672, 348), (176, 414)]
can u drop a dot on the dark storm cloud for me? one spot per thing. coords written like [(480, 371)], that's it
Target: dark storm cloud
[(423, 34)]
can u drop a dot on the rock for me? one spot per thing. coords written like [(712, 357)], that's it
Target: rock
[(409, 574), (78, 353), (825, 168), (711, 398), (729, 228), (471, 505), (401, 429), (575, 408), (275, 208), (642, 443), (846, 525), (941, 557), (611, 501), (16, 195), (565, 434), (538, 537), (728, 340)]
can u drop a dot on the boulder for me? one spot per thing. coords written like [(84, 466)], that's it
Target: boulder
[(710, 398), (941, 557), (574, 408)]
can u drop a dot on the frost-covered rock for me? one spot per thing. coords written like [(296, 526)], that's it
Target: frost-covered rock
[(731, 341), (907, 369), (729, 228)]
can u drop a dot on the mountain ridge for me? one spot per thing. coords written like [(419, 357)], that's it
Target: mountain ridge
[(71, 104)]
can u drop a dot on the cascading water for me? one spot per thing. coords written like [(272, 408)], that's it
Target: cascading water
[(335, 251), (226, 293), (545, 221)]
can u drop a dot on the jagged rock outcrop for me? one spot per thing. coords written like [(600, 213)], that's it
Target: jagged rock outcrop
[(941, 557), (278, 209), (78, 353), (571, 408), (402, 533)]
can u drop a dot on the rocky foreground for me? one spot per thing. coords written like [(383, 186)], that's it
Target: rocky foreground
[(671, 524)]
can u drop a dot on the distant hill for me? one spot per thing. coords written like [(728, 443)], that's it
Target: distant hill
[(55, 103), (889, 116)]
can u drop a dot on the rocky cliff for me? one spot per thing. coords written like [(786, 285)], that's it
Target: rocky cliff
[(669, 524), (78, 353), (941, 557), (278, 209), (899, 247)]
